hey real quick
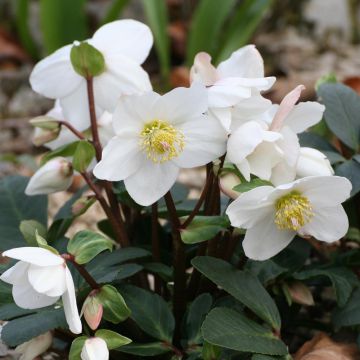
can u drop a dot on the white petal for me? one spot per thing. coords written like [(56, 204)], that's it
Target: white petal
[(16, 274), (95, 349), (205, 141), (129, 38), (75, 108), (70, 306), (289, 144), (151, 182), (265, 240), (245, 62), (132, 112), (48, 280), (328, 224), (27, 298), (312, 162), (123, 76), (203, 70), (182, 104), (223, 115), (121, 157), (244, 168), (54, 76), (282, 173), (304, 115), (250, 207), (34, 255), (324, 191)]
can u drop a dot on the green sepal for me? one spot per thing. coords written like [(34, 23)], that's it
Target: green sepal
[(83, 155), (112, 339), (28, 229), (76, 347)]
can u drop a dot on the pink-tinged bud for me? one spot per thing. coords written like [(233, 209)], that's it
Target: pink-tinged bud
[(35, 347), (92, 311), (300, 293), (202, 70), (54, 176)]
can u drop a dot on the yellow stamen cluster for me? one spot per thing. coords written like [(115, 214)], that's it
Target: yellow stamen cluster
[(293, 211), (161, 141)]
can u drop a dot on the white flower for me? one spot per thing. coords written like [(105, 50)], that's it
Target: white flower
[(54, 176), (155, 137), (95, 348), (39, 279), (125, 44), (312, 162), (34, 347), (273, 216), (235, 79)]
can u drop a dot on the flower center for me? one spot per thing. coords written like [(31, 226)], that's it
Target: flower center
[(293, 211), (161, 141)]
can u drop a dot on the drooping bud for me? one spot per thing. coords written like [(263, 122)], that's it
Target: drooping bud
[(34, 347), (45, 122), (81, 205), (312, 162), (86, 60), (227, 183), (92, 311), (43, 136), (95, 348), (300, 293), (54, 176)]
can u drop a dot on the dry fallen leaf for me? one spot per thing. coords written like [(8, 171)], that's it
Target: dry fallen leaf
[(321, 347)]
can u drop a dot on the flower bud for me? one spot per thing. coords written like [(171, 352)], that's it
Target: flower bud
[(81, 205), (54, 176), (95, 348), (312, 162), (34, 347), (92, 311), (45, 122), (86, 60), (43, 136), (300, 293), (227, 183)]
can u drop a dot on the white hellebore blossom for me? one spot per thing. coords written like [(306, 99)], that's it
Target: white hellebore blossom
[(95, 348), (124, 44), (39, 279), (239, 77), (312, 162), (54, 176), (309, 206), (31, 349), (155, 137)]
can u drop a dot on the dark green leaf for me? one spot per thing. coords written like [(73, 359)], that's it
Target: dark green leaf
[(349, 315), (54, 14), (230, 329), (15, 207), (195, 317), (265, 270), (150, 312), (86, 244), (205, 27), (26, 328), (245, 21), (343, 280), (149, 349), (157, 16), (11, 310), (203, 228), (351, 170), (246, 186), (342, 112), (164, 271), (234, 282)]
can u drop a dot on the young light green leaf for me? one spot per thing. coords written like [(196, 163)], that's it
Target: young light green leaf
[(210, 351), (86, 244), (254, 183), (229, 329), (234, 282), (83, 155), (113, 340), (76, 348), (28, 229), (65, 151), (115, 308), (203, 228)]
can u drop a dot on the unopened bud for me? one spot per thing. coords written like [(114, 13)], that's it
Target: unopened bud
[(54, 176), (92, 311), (227, 183), (43, 136), (300, 293), (312, 162), (45, 122), (81, 205), (86, 60)]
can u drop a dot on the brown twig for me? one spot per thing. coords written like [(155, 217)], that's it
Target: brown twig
[(77, 133), (155, 243)]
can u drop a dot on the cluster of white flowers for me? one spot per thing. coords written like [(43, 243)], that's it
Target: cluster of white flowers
[(148, 138)]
